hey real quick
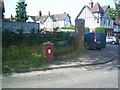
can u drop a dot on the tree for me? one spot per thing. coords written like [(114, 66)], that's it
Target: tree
[(21, 14), (117, 6), (113, 13)]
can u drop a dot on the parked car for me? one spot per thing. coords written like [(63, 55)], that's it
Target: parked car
[(94, 40), (111, 39)]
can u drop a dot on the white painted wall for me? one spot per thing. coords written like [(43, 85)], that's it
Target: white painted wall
[(89, 18), (60, 23), (67, 21), (49, 23), (30, 19)]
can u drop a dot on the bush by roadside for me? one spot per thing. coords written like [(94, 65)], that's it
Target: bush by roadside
[(21, 57)]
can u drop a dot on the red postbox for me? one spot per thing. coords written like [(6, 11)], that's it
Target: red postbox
[(48, 50)]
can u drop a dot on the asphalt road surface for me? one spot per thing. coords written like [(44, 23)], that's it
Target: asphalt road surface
[(96, 76)]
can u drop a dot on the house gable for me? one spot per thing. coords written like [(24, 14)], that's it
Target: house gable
[(30, 20), (88, 16), (68, 18), (86, 11), (97, 8), (105, 8), (48, 19), (49, 23), (67, 21)]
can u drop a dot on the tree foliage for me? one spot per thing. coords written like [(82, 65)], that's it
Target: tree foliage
[(21, 14), (113, 13), (117, 6)]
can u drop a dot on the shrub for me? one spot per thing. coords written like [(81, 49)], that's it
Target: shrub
[(71, 27), (87, 29), (101, 30)]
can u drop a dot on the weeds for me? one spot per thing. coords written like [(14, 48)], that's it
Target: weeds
[(22, 56)]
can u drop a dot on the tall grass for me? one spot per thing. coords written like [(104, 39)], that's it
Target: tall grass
[(15, 57)]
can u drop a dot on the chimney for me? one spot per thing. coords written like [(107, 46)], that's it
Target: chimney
[(49, 13), (91, 4), (40, 13)]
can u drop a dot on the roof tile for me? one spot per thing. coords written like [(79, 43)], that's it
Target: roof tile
[(97, 8)]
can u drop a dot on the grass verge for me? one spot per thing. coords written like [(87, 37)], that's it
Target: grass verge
[(22, 57)]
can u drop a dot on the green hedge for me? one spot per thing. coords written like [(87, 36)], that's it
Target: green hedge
[(87, 29), (71, 27), (34, 38), (101, 30)]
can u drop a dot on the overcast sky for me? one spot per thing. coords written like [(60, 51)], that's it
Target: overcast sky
[(72, 7)]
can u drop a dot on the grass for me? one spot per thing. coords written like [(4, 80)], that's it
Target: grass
[(20, 57), (62, 53), (17, 57)]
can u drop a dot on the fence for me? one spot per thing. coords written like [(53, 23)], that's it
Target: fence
[(26, 26)]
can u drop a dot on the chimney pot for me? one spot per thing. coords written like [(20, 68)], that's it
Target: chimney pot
[(91, 4), (49, 13), (40, 13)]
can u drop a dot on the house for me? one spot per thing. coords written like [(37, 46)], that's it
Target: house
[(2, 9), (117, 27), (51, 22), (96, 16)]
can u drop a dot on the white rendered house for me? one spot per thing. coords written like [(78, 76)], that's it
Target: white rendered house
[(96, 16)]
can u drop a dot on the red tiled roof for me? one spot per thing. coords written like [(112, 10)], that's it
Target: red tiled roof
[(97, 8), (105, 7), (42, 18)]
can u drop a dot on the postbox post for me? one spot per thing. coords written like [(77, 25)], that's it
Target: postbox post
[(48, 50)]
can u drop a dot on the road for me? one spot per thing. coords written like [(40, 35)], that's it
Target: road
[(96, 76)]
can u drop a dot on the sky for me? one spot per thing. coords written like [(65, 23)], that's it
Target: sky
[(72, 7)]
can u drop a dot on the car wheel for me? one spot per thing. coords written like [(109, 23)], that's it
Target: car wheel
[(113, 42), (98, 48)]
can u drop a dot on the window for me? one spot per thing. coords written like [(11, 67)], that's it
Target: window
[(97, 20), (104, 22), (108, 21)]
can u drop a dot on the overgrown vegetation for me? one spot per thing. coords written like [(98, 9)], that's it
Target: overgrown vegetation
[(26, 50), (22, 56)]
